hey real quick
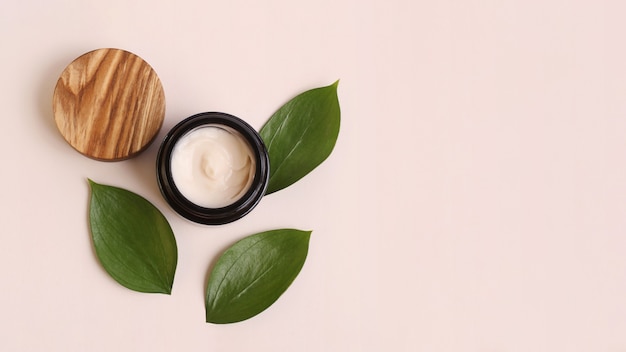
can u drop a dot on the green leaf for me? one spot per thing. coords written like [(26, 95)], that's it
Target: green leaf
[(133, 240), (301, 135), (252, 274)]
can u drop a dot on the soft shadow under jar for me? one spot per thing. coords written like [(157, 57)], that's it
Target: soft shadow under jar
[(212, 168)]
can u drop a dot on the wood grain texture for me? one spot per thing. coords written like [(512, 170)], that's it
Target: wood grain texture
[(109, 104)]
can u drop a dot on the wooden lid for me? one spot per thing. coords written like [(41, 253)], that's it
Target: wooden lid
[(109, 104)]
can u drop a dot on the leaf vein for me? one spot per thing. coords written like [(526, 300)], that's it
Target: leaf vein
[(279, 129), (223, 279), (243, 291), (292, 149)]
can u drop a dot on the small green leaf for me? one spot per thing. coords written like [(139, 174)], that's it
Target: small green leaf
[(252, 274), (133, 240), (301, 135)]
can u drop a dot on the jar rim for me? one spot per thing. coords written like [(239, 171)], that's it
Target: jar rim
[(228, 213)]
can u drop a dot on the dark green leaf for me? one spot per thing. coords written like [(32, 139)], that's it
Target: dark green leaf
[(133, 240), (252, 274), (301, 135)]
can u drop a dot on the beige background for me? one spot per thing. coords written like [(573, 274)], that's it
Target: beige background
[(475, 201)]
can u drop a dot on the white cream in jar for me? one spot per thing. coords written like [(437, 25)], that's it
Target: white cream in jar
[(212, 166)]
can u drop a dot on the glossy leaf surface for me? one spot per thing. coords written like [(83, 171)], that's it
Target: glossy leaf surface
[(133, 240), (253, 273), (301, 135)]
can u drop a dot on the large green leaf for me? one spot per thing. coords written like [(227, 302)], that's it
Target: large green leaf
[(252, 274), (301, 135), (133, 240)]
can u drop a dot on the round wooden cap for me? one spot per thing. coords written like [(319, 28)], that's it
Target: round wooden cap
[(109, 104)]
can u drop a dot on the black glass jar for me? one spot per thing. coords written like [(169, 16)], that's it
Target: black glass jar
[(230, 212)]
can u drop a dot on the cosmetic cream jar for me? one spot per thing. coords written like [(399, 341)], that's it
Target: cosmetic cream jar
[(212, 168)]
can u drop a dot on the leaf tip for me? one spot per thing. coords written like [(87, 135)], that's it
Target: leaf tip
[(91, 182)]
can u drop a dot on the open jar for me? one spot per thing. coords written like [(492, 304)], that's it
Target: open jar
[(212, 168)]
